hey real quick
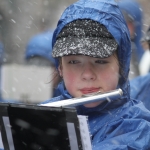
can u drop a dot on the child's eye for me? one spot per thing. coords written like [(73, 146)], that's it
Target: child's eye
[(101, 61), (73, 61)]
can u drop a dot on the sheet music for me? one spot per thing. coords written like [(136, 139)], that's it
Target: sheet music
[(67, 118), (84, 131)]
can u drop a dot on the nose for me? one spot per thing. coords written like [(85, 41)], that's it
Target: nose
[(88, 72)]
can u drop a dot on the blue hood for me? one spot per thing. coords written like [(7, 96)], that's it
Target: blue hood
[(107, 13), (133, 8), (40, 45)]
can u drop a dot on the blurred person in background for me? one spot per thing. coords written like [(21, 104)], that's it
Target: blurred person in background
[(144, 65), (131, 10), (140, 86), (38, 51)]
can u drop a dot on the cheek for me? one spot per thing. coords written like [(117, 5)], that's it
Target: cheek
[(69, 77), (67, 74), (70, 80), (111, 78)]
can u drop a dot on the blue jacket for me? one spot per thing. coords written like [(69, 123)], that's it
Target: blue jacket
[(140, 89), (40, 45), (132, 7), (116, 125)]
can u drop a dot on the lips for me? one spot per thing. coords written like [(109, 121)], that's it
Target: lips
[(89, 90)]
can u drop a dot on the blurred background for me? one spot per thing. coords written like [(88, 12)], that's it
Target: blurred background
[(24, 77)]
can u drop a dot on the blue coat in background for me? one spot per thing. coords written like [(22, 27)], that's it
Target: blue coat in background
[(133, 9), (40, 45), (115, 125), (140, 89)]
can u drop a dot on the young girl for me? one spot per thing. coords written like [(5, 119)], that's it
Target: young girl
[(91, 46)]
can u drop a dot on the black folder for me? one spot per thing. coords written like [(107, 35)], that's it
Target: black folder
[(32, 127)]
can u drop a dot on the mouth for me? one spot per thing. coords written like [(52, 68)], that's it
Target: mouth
[(89, 90)]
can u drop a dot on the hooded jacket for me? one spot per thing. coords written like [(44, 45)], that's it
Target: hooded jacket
[(132, 8), (115, 125), (40, 45), (140, 88)]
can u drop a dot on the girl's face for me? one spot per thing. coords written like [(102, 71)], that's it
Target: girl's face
[(84, 75)]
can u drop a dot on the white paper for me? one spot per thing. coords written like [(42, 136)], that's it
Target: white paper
[(84, 131)]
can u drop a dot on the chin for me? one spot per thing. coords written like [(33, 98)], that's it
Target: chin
[(91, 105)]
